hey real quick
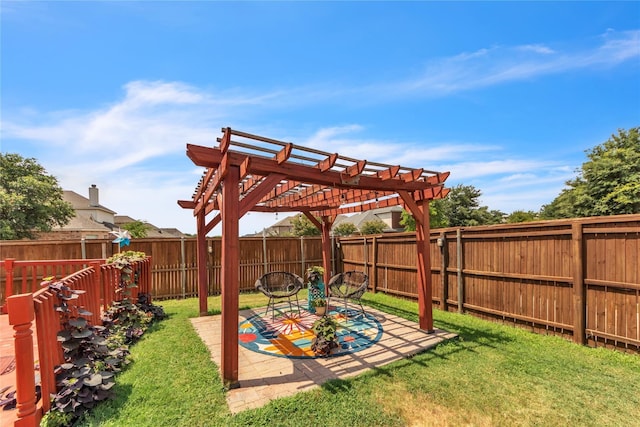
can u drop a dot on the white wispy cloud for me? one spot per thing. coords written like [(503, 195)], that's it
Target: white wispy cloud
[(345, 140), (469, 170), (501, 64), (151, 120), (536, 48)]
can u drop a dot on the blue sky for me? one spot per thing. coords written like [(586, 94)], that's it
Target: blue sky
[(505, 95)]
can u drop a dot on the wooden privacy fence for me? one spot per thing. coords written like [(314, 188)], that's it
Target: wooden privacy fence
[(174, 272), (40, 306), (577, 278)]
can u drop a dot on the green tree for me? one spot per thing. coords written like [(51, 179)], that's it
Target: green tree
[(436, 217), (30, 199), (375, 226), (345, 229), (522, 216), (407, 221), (460, 208), (607, 184), (138, 229), (302, 226)]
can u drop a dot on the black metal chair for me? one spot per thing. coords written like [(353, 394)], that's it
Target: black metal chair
[(350, 285), (279, 285)]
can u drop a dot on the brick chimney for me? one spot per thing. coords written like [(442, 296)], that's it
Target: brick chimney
[(93, 196)]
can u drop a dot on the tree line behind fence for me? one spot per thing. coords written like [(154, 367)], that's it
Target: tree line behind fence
[(576, 278)]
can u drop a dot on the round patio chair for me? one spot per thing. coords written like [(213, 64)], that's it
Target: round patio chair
[(350, 285), (280, 285)]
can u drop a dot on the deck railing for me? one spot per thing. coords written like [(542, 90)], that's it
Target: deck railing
[(24, 276), (99, 283)]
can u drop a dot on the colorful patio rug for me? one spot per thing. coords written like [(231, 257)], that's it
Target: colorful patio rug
[(290, 334)]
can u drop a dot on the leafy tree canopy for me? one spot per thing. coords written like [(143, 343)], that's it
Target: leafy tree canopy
[(436, 217), (375, 226), (459, 209), (522, 216), (607, 184), (345, 229), (302, 226), (138, 229), (30, 199)]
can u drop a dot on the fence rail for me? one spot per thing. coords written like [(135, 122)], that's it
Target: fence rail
[(577, 278), (40, 307)]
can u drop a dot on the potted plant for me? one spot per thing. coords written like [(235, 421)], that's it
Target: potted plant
[(315, 287), (320, 304), (315, 273), (325, 338)]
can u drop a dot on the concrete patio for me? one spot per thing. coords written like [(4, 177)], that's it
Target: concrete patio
[(263, 377)]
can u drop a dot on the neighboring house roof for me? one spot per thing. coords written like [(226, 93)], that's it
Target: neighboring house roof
[(173, 232), (389, 215), (83, 223), (82, 203), (285, 222), (123, 219), (152, 230)]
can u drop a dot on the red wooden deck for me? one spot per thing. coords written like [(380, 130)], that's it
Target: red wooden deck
[(7, 379)]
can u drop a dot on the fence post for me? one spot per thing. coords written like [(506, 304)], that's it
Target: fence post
[(265, 265), (579, 300), (183, 268), (333, 254), (302, 255), (365, 256), (21, 316), (374, 267), (442, 242), (83, 248), (8, 286), (460, 277)]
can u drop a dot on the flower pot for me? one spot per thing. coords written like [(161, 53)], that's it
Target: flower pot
[(320, 311)]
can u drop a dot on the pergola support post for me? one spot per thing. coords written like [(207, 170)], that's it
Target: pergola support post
[(230, 277), (424, 285), (326, 248), (202, 263)]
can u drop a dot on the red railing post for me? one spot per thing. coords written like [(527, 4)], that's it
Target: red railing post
[(95, 278), (21, 316), (8, 266)]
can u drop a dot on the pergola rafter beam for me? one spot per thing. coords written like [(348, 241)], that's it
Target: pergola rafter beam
[(212, 157), (250, 200), (214, 184)]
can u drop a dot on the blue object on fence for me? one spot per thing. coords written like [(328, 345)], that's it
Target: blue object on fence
[(123, 238)]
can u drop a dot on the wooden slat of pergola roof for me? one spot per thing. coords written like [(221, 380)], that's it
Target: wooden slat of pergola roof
[(253, 173), (323, 183)]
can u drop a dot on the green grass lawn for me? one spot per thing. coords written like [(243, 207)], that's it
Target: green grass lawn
[(492, 375)]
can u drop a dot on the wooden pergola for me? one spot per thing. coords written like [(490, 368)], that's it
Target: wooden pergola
[(247, 172)]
